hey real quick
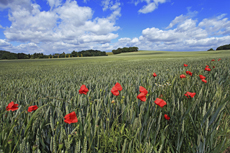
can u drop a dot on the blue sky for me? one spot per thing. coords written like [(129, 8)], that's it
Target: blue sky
[(56, 26)]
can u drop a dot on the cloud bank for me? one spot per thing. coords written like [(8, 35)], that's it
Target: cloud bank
[(68, 26)]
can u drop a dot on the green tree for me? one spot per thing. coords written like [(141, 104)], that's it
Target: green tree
[(224, 47), (210, 49)]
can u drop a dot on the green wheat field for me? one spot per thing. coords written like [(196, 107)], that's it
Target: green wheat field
[(123, 123)]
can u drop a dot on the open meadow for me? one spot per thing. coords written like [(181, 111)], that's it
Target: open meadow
[(116, 103)]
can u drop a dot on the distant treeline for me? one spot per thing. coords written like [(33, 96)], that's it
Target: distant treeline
[(125, 49), (224, 47), (84, 53)]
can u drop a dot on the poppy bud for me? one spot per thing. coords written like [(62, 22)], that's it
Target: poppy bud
[(69, 136), (60, 146), (10, 141), (57, 123), (108, 119)]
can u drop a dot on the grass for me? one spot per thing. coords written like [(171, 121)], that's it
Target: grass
[(17, 71)]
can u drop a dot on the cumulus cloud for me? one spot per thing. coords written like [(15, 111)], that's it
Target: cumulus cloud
[(15, 5), (180, 19), (67, 26), (216, 26), (4, 43), (187, 35), (54, 3)]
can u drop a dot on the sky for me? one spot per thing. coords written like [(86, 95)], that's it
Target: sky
[(57, 26)]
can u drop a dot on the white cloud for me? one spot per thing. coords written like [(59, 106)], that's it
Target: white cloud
[(105, 4), (15, 5), (116, 13), (85, 1), (54, 3), (134, 40), (189, 28), (98, 38), (148, 8), (71, 13), (216, 26), (151, 6), (180, 19), (100, 26), (207, 42), (66, 26), (124, 39), (4, 43), (69, 27), (186, 36), (157, 35)]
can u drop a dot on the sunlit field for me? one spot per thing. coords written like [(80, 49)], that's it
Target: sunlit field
[(140, 102)]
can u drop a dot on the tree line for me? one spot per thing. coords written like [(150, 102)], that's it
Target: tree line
[(125, 49), (224, 47), (84, 53)]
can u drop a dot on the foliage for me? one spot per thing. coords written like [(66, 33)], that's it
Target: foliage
[(9, 55), (125, 49), (211, 49), (224, 47)]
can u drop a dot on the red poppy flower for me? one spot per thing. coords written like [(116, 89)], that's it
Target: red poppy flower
[(142, 96), (11, 106), (202, 77), (154, 75), (71, 118), (213, 60), (185, 65), (166, 117), (32, 108), (219, 59), (160, 102), (190, 94), (213, 66), (83, 90), (189, 73), (115, 91), (116, 88), (206, 66), (204, 80), (143, 90), (182, 76), (207, 69)]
